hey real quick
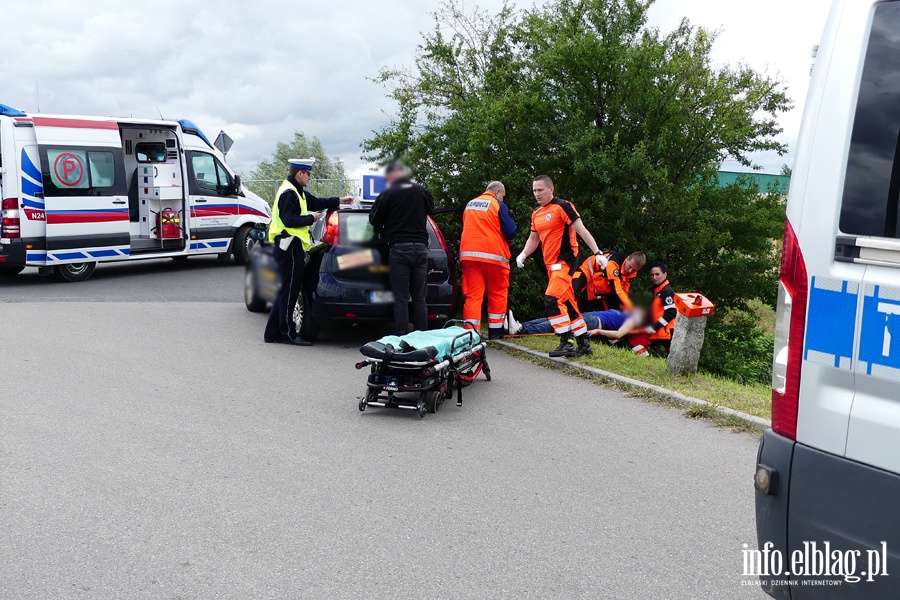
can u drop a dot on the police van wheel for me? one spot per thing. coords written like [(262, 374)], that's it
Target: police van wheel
[(10, 271), (251, 294), (75, 271), (242, 245)]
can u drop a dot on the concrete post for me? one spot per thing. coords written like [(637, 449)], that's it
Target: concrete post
[(687, 341)]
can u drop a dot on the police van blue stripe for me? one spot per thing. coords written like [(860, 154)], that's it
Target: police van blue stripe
[(831, 322)]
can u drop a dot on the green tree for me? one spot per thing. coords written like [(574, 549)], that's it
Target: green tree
[(631, 123), (268, 174)]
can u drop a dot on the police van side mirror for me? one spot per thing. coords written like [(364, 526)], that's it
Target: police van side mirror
[(236, 188)]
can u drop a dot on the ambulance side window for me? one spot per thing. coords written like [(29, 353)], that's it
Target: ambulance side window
[(872, 183), (79, 171), (208, 175)]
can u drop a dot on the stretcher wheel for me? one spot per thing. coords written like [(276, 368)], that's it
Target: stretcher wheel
[(421, 405), (433, 401), (370, 396), (486, 370)]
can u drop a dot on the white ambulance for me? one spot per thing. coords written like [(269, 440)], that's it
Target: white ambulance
[(828, 472), (76, 191)]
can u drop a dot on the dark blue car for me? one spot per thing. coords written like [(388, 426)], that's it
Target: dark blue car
[(347, 275)]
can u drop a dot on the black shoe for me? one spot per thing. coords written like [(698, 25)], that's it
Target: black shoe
[(296, 342), (277, 340), (584, 345), (565, 348)]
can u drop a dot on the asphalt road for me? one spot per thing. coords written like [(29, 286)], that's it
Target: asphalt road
[(148, 451)]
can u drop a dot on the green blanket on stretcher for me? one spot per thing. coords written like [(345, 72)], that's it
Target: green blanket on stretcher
[(441, 339)]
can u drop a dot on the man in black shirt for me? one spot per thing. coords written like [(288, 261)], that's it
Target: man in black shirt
[(294, 211), (401, 212)]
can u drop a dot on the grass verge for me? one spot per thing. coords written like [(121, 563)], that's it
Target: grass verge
[(754, 398)]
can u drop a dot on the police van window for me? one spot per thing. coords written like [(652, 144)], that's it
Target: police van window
[(872, 183), (150, 152), (208, 175), (80, 172)]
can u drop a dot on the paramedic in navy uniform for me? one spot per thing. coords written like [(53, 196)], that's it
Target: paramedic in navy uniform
[(293, 213)]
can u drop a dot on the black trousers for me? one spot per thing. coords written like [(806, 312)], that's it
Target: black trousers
[(291, 266), (409, 273)]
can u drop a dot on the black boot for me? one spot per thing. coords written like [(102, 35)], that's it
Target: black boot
[(584, 345), (565, 348)]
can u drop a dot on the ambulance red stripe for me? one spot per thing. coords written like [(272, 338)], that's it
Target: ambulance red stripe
[(74, 123)]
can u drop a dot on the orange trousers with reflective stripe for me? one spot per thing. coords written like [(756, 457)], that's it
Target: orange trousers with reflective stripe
[(560, 303), (478, 278)]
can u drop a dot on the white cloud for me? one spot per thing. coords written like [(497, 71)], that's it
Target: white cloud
[(261, 70)]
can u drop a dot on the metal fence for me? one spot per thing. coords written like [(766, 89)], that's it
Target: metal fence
[(266, 188)]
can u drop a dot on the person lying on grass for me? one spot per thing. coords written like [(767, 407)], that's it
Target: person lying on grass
[(611, 324)]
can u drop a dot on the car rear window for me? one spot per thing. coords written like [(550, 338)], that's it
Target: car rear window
[(872, 184), (355, 229)]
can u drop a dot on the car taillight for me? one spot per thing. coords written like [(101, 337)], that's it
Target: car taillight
[(9, 218), (440, 235), (332, 229), (790, 327)]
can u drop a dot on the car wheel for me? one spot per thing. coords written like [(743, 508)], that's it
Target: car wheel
[(303, 322), (251, 294), (242, 245), (10, 271), (75, 271)]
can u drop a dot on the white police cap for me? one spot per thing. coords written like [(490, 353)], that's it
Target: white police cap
[(302, 163)]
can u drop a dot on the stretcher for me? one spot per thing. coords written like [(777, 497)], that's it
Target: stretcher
[(420, 370)]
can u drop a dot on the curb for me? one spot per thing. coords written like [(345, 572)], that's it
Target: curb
[(750, 421)]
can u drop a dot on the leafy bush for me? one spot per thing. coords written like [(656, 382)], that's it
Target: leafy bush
[(738, 347)]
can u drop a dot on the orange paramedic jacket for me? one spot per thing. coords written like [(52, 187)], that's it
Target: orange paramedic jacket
[(482, 237), (603, 282)]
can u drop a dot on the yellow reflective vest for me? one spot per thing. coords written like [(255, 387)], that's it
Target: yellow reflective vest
[(276, 226)]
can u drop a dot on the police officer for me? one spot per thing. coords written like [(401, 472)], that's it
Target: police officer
[(401, 212), (484, 256), (292, 214)]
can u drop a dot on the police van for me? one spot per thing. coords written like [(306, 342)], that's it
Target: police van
[(828, 472), (77, 191)]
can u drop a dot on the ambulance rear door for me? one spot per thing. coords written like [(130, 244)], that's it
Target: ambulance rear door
[(85, 196)]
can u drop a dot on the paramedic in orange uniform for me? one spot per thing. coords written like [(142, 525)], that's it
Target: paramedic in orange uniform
[(553, 225), (484, 255), (610, 285), (662, 313)]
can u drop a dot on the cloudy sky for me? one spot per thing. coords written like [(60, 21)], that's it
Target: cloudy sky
[(260, 70)]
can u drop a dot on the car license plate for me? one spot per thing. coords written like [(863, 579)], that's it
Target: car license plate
[(354, 260), (381, 297)]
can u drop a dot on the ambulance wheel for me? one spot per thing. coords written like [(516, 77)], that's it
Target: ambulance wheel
[(251, 295), (421, 405), (433, 401), (303, 322), (75, 271), (242, 245), (10, 271)]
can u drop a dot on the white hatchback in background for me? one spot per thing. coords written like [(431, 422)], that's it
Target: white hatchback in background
[(76, 191), (829, 469)]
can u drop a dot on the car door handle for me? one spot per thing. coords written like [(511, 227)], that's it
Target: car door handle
[(201, 199), (119, 202)]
